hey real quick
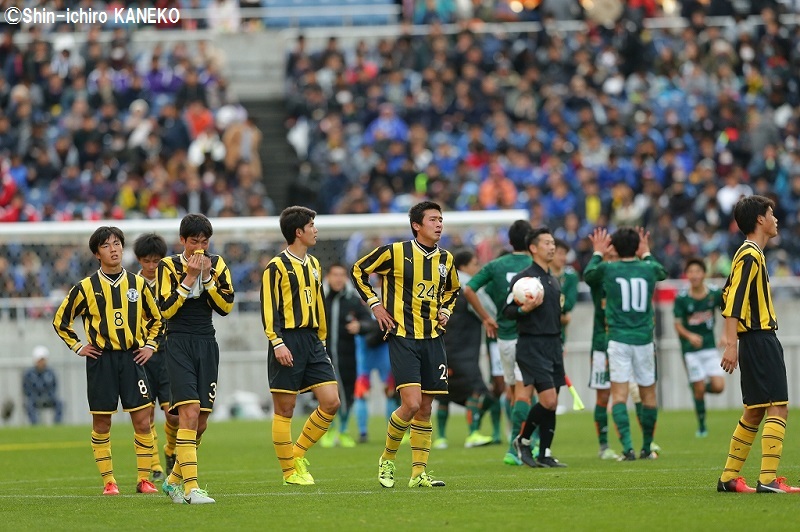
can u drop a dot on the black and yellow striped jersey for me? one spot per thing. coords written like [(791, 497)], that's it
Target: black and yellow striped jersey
[(415, 285), (747, 295), (118, 315), (292, 297), (187, 309), (152, 285)]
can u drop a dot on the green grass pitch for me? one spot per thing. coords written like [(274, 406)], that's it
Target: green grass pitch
[(49, 482)]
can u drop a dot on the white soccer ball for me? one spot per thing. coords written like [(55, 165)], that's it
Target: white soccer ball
[(527, 288)]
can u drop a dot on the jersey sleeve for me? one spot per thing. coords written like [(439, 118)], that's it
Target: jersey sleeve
[(220, 288), (743, 271), (570, 291), (658, 268), (451, 288), (270, 285), (152, 317), (322, 328), (593, 273), (73, 305), (482, 278), (679, 309), (378, 261), (171, 291)]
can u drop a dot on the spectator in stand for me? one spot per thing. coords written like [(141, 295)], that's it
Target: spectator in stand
[(40, 387)]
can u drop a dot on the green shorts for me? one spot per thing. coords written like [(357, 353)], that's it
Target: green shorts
[(193, 367), (114, 377)]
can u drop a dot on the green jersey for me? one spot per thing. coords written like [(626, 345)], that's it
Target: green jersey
[(599, 333), (569, 294), (495, 276), (698, 316), (629, 286)]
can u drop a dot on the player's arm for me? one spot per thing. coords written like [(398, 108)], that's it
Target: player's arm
[(570, 291), (322, 331), (151, 317), (172, 292), (74, 304), (679, 312), (270, 285), (378, 261), (736, 296), (512, 310), (450, 293), (219, 287), (593, 273), (481, 279)]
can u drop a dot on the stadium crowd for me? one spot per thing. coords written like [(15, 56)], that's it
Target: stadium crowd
[(612, 125)]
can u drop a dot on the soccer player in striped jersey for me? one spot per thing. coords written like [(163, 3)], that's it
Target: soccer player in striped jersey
[(419, 290), (749, 341), (294, 320), (122, 322), (695, 316), (629, 284), (149, 249), (192, 285), (495, 277)]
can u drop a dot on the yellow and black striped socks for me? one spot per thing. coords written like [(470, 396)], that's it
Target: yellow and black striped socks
[(101, 447), (186, 451), (282, 441), (315, 427), (155, 461), (421, 433), (176, 475), (741, 442), (771, 448), (394, 435), (143, 443)]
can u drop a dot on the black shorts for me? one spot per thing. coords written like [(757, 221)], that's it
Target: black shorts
[(420, 363), (311, 365), (156, 369), (464, 379), (193, 367), (113, 377), (541, 361), (762, 370)]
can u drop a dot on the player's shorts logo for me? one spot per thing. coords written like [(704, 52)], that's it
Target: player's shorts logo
[(132, 295), (442, 270)]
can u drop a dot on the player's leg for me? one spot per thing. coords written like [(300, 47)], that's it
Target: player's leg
[(442, 414), (283, 405), (520, 395), (644, 371), (697, 380), (101, 448), (143, 444), (361, 388), (620, 363), (600, 381), (102, 387), (136, 398), (153, 368), (348, 386), (497, 389), (171, 434)]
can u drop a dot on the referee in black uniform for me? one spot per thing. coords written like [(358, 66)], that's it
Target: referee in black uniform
[(539, 349)]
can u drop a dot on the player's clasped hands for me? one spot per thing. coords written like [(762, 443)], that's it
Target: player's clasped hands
[(284, 356), (198, 264)]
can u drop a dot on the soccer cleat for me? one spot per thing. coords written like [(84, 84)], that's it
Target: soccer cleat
[(424, 480), (440, 443), (627, 456), (701, 433), (655, 447), (386, 473), (511, 459), (111, 489), (735, 485), (169, 460), (173, 491), (776, 486), (524, 452), (362, 438), (346, 441), (608, 454), (297, 480), (644, 455), (328, 440), (157, 476), (301, 467), (549, 461), (198, 496), (476, 439), (145, 486)]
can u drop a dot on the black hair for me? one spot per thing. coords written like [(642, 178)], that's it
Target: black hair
[(534, 234), (101, 234), (294, 218), (150, 244), (695, 261), (336, 265), (462, 257), (417, 213), (518, 233), (196, 225), (562, 244), (626, 241), (748, 209)]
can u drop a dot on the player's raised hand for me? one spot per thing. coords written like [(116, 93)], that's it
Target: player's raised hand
[(600, 240), (284, 356), (385, 320), (205, 268), (644, 242)]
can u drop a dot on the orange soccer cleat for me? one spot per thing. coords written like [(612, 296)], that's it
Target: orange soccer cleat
[(736, 485), (145, 486), (111, 489)]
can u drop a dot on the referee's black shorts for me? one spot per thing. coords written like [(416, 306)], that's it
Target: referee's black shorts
[(762, 370), (113, 377), (193, 367), (541, 361)]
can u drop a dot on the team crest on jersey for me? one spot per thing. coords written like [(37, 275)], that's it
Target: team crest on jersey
[(315, 273), (132, 295), (442, 270)]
